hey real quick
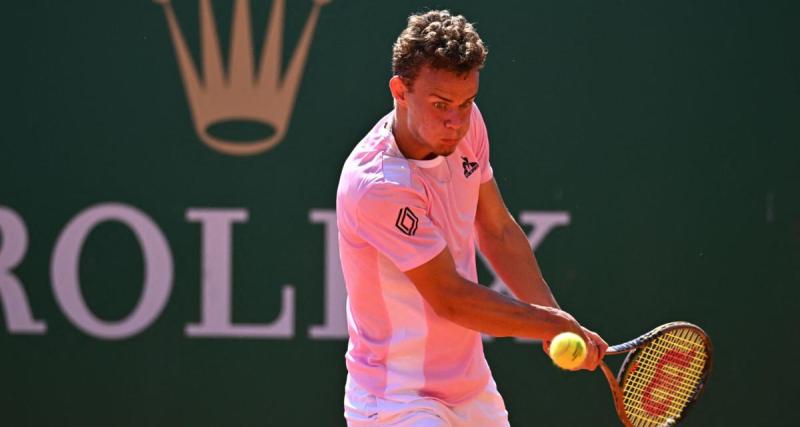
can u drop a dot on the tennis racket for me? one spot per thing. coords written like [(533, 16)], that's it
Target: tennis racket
[(662, 376)]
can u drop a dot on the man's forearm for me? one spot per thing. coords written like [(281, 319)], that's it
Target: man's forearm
[(511, 256), (481, 309)]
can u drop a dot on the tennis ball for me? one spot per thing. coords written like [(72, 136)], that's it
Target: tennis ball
[(568, 350)]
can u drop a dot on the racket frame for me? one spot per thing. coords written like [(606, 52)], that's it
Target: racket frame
[(633, 346)]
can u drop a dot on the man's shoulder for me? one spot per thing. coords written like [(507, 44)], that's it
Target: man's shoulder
[(373, 166), (374, 173)]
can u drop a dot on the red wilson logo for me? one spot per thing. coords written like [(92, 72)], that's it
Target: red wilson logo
[(665, 381)]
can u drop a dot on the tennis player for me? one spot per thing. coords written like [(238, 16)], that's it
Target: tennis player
[(415, 196)]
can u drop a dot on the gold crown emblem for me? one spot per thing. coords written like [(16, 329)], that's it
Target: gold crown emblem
[(240, 94)]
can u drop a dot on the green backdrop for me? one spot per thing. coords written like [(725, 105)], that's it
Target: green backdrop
[(667, 131)]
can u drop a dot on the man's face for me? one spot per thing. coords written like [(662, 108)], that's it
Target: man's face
[(438, 107)]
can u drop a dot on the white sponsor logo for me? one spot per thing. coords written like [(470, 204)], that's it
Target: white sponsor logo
[(216, 274)]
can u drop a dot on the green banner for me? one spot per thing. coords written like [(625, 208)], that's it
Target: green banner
[(168, 172)]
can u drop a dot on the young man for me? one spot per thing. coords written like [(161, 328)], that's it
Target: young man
[(415, 196)]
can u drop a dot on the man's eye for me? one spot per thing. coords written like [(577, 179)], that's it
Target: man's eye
[(440, 105)]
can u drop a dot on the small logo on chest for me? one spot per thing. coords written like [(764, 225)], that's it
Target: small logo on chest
[(469, 167)]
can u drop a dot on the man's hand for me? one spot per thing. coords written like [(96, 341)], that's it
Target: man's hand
[(595, 349)]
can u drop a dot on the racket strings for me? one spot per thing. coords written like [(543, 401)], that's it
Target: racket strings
[(663, 378), (682, 379), (661, 386), (666, 393)]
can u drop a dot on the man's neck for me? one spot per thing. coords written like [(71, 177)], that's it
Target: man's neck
[(406, 142)]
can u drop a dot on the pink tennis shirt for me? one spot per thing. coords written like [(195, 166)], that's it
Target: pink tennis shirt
[(395, 214)]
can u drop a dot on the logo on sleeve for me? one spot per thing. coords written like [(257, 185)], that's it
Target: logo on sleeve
[(406, 221), (469, 167)]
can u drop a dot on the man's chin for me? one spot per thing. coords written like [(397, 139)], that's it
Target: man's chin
[(446, 151)]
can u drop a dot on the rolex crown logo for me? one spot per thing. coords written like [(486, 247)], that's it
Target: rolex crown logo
[(241, 95)]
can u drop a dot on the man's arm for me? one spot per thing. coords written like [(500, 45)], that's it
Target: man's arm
[(479, 308), (506, 247)]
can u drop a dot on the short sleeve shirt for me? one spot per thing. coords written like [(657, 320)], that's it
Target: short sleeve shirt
[(395, 214)]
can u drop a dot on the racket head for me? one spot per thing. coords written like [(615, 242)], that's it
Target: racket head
[(664, 374)]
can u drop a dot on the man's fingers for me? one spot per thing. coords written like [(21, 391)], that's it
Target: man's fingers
[(591, 358), (596, 349), (602, 346)]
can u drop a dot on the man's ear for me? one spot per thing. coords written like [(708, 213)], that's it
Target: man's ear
[(399, 89)]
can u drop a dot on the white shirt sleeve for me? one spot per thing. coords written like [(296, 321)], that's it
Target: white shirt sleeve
[(394, 219)]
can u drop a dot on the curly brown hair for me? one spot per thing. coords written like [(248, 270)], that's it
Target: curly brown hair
[(439, 40)]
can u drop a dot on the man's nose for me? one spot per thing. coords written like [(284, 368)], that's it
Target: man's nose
[(454, 120)]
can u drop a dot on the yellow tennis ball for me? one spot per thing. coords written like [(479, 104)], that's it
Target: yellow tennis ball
[(568, 350)]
